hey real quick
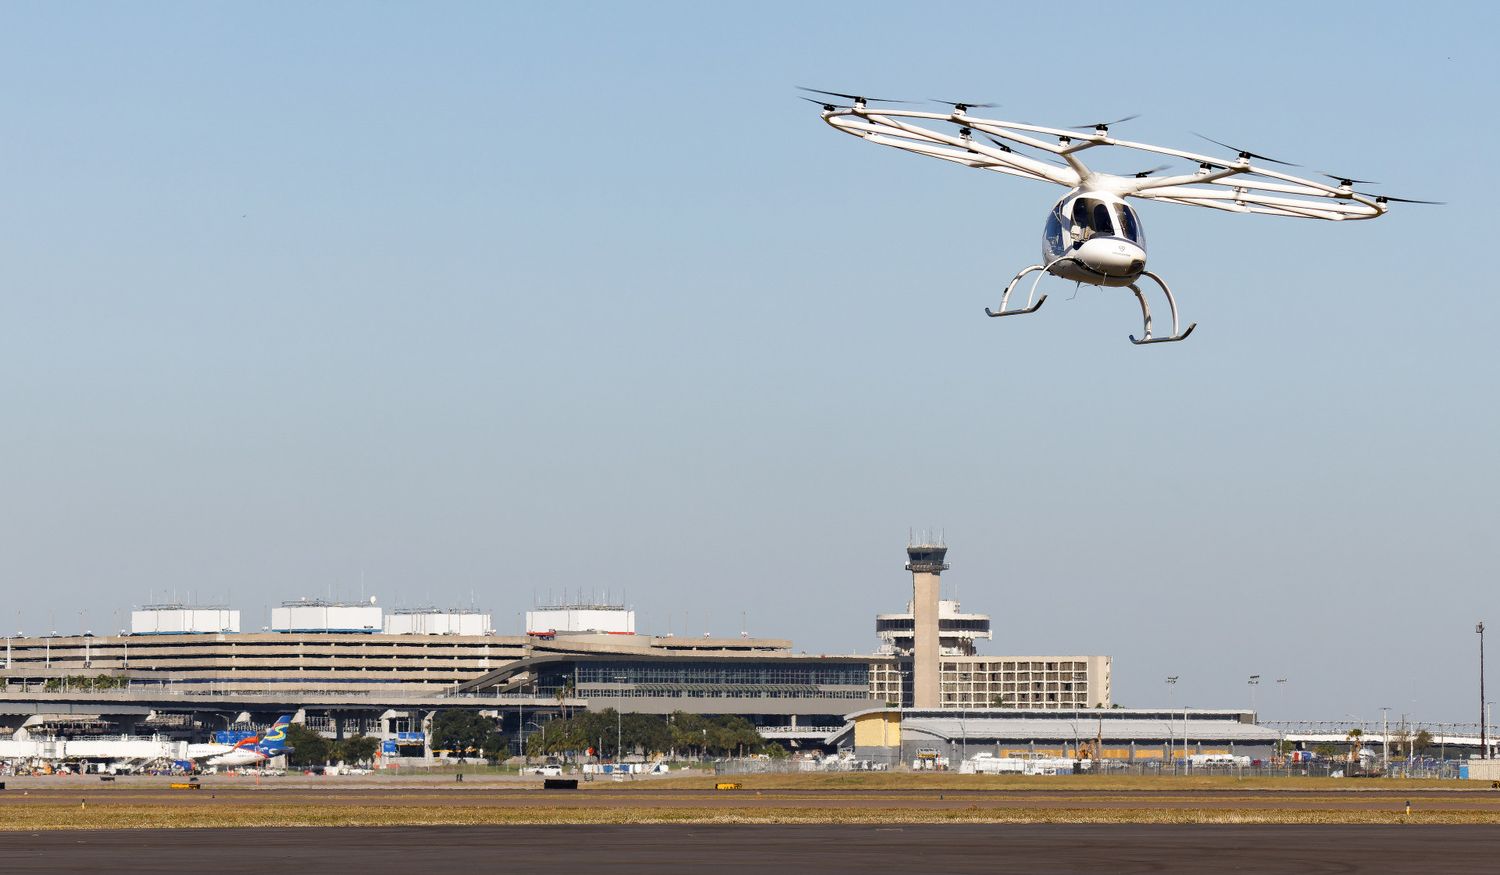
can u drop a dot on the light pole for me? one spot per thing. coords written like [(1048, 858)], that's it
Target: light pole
[(1385, 735), (963, 740), (1281, 742), (1184, 735), (1407, 737), (1254, 682), (543, 730), (1171, 702), (1484, 725), (619, 725), (1486, 729)]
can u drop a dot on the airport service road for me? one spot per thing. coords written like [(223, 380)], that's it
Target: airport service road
[(628, 850)]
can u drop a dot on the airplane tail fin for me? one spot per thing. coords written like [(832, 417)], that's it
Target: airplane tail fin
[(274, 740)]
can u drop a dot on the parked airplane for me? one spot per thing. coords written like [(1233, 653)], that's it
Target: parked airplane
[(257, 749), (204, 749)]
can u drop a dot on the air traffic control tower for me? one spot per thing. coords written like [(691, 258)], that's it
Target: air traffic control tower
[(926, 562)]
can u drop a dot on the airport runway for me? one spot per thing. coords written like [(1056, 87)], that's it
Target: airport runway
[(627, 850)]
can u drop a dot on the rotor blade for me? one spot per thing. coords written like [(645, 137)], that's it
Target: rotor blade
[(962, 105), (1105, 125), (854, 97), (1404, 200), (1157, 169), (823, 103), (1005, 148), (1246, 152), (1347, 181)]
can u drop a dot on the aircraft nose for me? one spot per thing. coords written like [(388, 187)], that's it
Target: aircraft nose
[(1114, 257)]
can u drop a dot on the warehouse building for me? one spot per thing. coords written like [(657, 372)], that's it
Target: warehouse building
[(897, 735)]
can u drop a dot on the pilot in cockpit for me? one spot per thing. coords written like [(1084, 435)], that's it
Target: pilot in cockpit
[(1081, 229)]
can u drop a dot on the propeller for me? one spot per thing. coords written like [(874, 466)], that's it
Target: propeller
[(854, 97), (1001, 146), (1245, 153), (827, 106), (1157, 169), (1347, 182), (960, 105), (1103, 127), (1004, 148), (1382, 198)]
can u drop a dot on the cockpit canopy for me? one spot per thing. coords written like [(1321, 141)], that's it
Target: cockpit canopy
[(1083, 217)]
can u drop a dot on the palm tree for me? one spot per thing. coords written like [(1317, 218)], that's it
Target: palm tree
[(564, 693), (1354, 737)]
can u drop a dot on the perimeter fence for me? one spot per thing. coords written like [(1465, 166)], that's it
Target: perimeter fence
[(1337, 769)]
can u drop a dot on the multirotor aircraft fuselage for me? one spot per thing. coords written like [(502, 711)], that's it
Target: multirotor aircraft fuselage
[(1094, 237)]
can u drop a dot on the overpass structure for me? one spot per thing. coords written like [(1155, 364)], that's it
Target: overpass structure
[(132, 703)]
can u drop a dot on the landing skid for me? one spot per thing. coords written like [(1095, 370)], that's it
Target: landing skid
[(1030, 306), (1146, 337), (1034, 302)]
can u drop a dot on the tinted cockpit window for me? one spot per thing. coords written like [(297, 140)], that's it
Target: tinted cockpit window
[(1081, 213), (1054, 232), (1102, 223), (1129, 225)]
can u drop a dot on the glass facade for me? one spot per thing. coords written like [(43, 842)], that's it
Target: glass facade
[(945, 624), (687, 678)]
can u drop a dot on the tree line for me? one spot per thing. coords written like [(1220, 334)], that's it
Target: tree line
[(470, 733), (86, 682), (674, 735), (312, 749)]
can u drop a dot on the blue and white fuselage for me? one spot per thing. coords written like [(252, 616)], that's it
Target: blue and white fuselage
[(257, 750)]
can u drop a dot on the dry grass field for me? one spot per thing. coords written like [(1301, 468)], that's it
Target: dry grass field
[(66, 817), (847, 798)]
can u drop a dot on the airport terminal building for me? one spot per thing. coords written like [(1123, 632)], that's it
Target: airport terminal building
[(351, 666)]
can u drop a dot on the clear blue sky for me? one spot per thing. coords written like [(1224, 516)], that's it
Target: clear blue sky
[(502, 299)]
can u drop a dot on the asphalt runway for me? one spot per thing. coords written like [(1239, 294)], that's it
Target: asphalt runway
[(1031, 849)]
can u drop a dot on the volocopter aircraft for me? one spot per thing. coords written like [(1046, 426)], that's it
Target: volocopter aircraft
[(1092, 235)]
